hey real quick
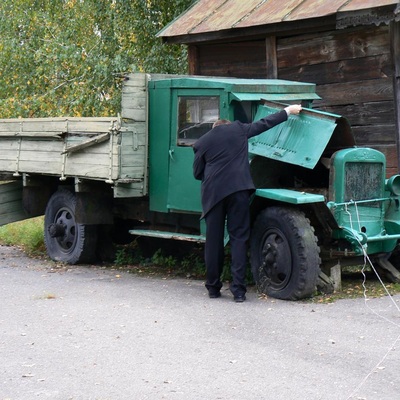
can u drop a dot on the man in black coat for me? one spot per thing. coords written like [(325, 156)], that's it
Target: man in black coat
[(221, 163)]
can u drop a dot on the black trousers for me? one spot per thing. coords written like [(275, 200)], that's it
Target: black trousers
[(235, 209)]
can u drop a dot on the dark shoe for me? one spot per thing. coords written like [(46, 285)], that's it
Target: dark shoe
[(214, 295), (240, 299)]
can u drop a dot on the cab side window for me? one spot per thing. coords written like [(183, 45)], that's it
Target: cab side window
[(196, 115)]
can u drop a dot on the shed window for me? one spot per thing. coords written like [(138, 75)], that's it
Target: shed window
[(196, 116)]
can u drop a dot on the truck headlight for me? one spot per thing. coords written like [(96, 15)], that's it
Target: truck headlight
[(393, 185)]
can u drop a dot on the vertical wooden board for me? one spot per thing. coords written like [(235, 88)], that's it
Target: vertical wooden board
[(134, 97), (193, 57), (390, 152), (241, 59), (133, 153), (11, 208), (271, 58)]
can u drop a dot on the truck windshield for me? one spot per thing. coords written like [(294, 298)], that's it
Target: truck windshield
[(196, 114)]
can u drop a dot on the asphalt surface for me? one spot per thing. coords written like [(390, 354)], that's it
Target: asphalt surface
[(92, 333)]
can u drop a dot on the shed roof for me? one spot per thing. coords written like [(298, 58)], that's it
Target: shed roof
[(206, 16)]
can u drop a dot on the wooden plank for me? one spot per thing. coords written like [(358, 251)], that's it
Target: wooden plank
[(134, 141), (7, 165), (137, 79), (369, 135), (133, 154), (193, 59), (376, 113), (332, 46), (39, 156), (373, 67), (135, 189), (243, 59), (134, 101), (38, 135), (88, 143), (354, 92), (94, 164), (134, 114), (134, 98), (56, 125), (11, 207), (390, 152), (271, 70)]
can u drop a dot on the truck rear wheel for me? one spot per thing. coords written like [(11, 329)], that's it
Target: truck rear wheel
[(284, 254), (67, 240)]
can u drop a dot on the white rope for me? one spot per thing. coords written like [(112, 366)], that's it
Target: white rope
[(366, 258)]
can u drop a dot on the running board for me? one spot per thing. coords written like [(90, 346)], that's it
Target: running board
[(168, 235)]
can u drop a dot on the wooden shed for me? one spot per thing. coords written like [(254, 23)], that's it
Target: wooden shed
[(349, 48)]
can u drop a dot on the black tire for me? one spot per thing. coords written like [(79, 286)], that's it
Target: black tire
[(284, 254), (65, 239)]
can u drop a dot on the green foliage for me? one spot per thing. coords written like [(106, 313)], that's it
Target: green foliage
[(162, 260), (27, 234), (67, 57)]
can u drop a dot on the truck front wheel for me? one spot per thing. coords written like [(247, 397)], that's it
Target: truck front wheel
[(67, 240), (284, 254)]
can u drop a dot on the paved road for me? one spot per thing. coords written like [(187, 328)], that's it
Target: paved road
[(88, 333)]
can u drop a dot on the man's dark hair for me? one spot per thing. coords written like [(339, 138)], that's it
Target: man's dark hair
[(221, 122)]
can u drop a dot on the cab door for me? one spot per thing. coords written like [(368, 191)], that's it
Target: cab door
[(196, 111)]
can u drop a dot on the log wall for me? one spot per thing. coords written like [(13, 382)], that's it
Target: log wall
[(240, 60), (352, 67), (354, 75)]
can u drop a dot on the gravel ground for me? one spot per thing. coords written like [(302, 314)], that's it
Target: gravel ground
[(87, 333)]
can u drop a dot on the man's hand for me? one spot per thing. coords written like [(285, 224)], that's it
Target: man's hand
[(293, 109)]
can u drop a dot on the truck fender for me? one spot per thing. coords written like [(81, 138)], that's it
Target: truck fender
[(290, 196)]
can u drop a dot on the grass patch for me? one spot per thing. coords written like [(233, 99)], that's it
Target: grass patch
[(354, 286), (185, 260), (27, 235)]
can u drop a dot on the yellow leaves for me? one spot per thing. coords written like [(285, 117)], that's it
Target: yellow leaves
[(70, 3), (132, 38)]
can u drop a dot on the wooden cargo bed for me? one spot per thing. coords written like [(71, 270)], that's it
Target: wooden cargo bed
[(110, 149)]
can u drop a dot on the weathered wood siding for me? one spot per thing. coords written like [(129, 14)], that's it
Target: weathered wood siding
[(354, 75), (352, 67), (11, 202), (241, 60), (134, 140)]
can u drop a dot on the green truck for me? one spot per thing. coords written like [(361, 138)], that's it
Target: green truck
[(321, 202)]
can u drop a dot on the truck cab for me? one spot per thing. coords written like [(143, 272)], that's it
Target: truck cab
[(183, 109)]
